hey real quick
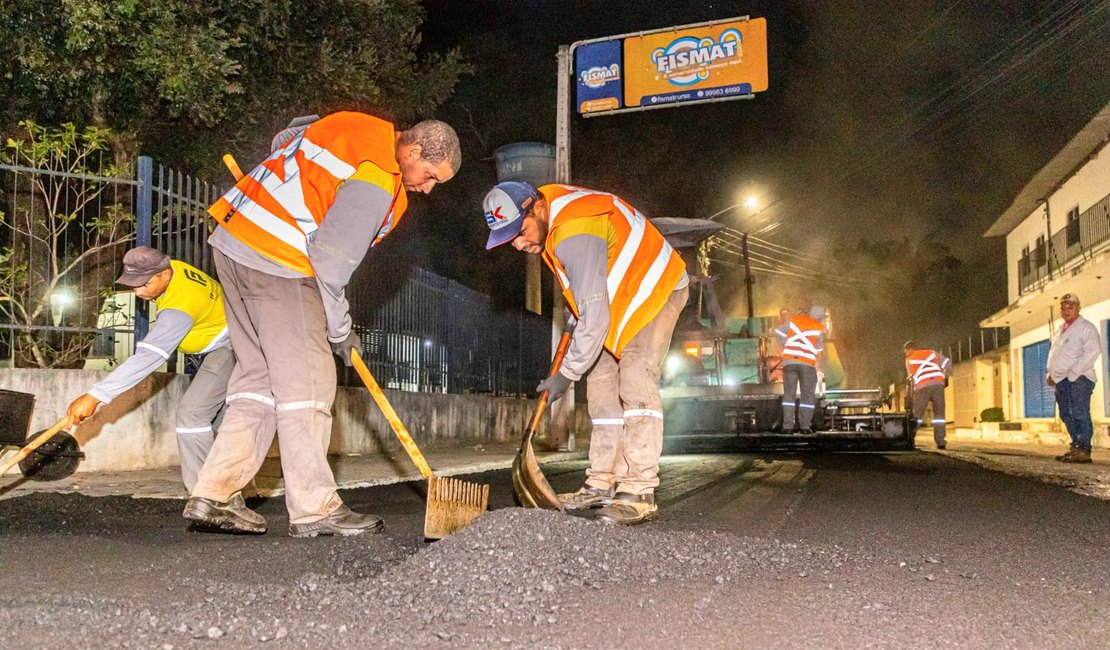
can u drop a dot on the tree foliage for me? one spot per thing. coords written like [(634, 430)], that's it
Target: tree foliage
[(222, 73)]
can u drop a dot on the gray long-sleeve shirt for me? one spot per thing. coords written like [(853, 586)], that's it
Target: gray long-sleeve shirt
[(335, 249), (1074, 351), (165, 335), (585, 258)]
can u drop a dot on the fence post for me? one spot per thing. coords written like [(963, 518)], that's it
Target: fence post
[(144, 198)]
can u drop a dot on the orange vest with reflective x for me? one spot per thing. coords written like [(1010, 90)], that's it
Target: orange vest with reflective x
[(803, 335), (925, 367), (277, 207), (642, 269)]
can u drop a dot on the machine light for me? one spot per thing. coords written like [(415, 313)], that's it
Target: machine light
[(692, 349)]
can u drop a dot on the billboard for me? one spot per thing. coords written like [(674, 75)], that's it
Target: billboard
[(697, 63)]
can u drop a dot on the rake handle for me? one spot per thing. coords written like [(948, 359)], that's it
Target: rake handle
[(560, 352), (34, 444), (391, 415)]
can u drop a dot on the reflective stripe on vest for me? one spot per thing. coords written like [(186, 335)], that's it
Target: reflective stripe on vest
[(642, 268), (277, 206), (801, 344), (924, 368)]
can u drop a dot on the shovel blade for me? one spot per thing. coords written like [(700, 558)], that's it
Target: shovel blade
[(531, 486), (452, 505)]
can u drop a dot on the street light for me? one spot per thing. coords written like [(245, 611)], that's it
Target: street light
[(750, 202)]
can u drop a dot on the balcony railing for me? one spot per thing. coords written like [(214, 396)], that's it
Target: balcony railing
[(1078, 240)]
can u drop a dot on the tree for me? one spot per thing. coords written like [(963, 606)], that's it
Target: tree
[(193, 78), (68, 226)]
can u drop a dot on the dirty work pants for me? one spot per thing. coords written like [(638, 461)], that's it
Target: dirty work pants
[(200, 410), (284, 377), (922, 397), (793, 376), (1074, 400), (625, 407)]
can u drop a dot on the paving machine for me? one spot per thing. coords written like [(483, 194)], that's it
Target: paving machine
[(722, 380)]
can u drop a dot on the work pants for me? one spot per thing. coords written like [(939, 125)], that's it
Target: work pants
[(625, 407), (793, 376), (1074, 400), (931, 394), (284, 377), (199, 410)]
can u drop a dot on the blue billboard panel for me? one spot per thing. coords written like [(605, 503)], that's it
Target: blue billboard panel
[(598, 76)]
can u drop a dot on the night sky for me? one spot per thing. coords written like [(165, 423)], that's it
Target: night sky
[(892, 135)]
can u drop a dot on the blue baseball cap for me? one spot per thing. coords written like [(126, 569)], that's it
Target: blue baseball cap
[(505, 206)]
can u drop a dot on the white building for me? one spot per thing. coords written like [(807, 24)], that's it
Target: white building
[(1057, 241)]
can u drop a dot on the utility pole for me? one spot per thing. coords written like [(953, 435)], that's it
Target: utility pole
[(748, 280), (562, 410)]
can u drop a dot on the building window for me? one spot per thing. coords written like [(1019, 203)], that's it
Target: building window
[(1072, 229), (1040, 398)]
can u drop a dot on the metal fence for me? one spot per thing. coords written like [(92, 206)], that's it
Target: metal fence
[(421, 332), (1079, 239), (987, 339)]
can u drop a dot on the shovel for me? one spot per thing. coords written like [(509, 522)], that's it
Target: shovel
[(38, 441), (452, 504), (529, 483)]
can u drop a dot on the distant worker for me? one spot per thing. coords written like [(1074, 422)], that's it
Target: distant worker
[(1071, 370), (927, 372), (289, 236), (801, 342), (626, 286), (190, 319)]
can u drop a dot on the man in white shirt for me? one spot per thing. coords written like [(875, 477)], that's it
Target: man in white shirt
[(1071, 370)]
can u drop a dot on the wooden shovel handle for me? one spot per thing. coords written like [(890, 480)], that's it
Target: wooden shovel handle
[(560, 352), (35, 444), (391, 415)]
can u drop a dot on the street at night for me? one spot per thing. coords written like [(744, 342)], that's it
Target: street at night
[(792, 550)]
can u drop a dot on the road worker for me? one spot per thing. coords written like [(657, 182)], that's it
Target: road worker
[(626, 286), (928, 372), (190, 318), (289, 236), (801, 342)]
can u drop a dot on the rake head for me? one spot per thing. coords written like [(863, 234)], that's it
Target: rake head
[(452, 505)]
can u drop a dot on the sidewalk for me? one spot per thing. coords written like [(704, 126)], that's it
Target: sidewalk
[(364, 470), (1036, 462)]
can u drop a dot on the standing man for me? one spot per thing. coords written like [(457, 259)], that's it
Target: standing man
[(191, 319), (290, 235), (626, 286), (927, 372), (1071, 369), (801, 340)]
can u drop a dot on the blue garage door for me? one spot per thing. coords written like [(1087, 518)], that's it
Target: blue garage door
[(1040, 399)]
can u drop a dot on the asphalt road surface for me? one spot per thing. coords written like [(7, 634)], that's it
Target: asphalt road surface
[(789, 550)]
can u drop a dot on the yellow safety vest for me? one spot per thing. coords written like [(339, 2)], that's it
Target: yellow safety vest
[(198, 295)]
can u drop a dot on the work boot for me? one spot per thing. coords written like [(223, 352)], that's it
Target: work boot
[(343, 521), (232, 515), (586, 497), (629, 509), (941, 445), (1078, 456), (1066, 455)]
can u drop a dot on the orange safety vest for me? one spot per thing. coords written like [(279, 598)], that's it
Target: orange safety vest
[(802, 335), (642, 268), (276, 207), (925, 367)]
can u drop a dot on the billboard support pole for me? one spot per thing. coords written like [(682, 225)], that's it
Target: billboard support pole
[(562, 410)]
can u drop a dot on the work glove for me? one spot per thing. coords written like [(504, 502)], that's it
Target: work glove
[(343, 348), (555, 385)]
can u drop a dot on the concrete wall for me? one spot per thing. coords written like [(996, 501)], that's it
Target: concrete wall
[(136, 431)]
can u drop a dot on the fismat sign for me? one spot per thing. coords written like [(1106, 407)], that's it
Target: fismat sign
[(695, 63)]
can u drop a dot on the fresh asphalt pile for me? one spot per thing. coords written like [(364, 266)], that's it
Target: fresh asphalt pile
[(511, 573)]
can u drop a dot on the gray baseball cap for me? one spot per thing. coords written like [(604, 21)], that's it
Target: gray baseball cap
[(140, 263), (1070, 297)]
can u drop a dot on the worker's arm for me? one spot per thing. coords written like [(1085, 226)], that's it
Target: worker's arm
[(338, 246), (1092, 348), (164, 337), (945, 364), (584, 258)]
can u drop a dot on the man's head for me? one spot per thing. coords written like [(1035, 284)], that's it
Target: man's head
[(1069, 307), (147, 271), (909, 347), (516, 212), (428, 153)]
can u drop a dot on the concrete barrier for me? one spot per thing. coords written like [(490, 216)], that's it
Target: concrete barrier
[(136, 430)]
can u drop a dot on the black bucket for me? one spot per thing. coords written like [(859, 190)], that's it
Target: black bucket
[(15, 417)]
